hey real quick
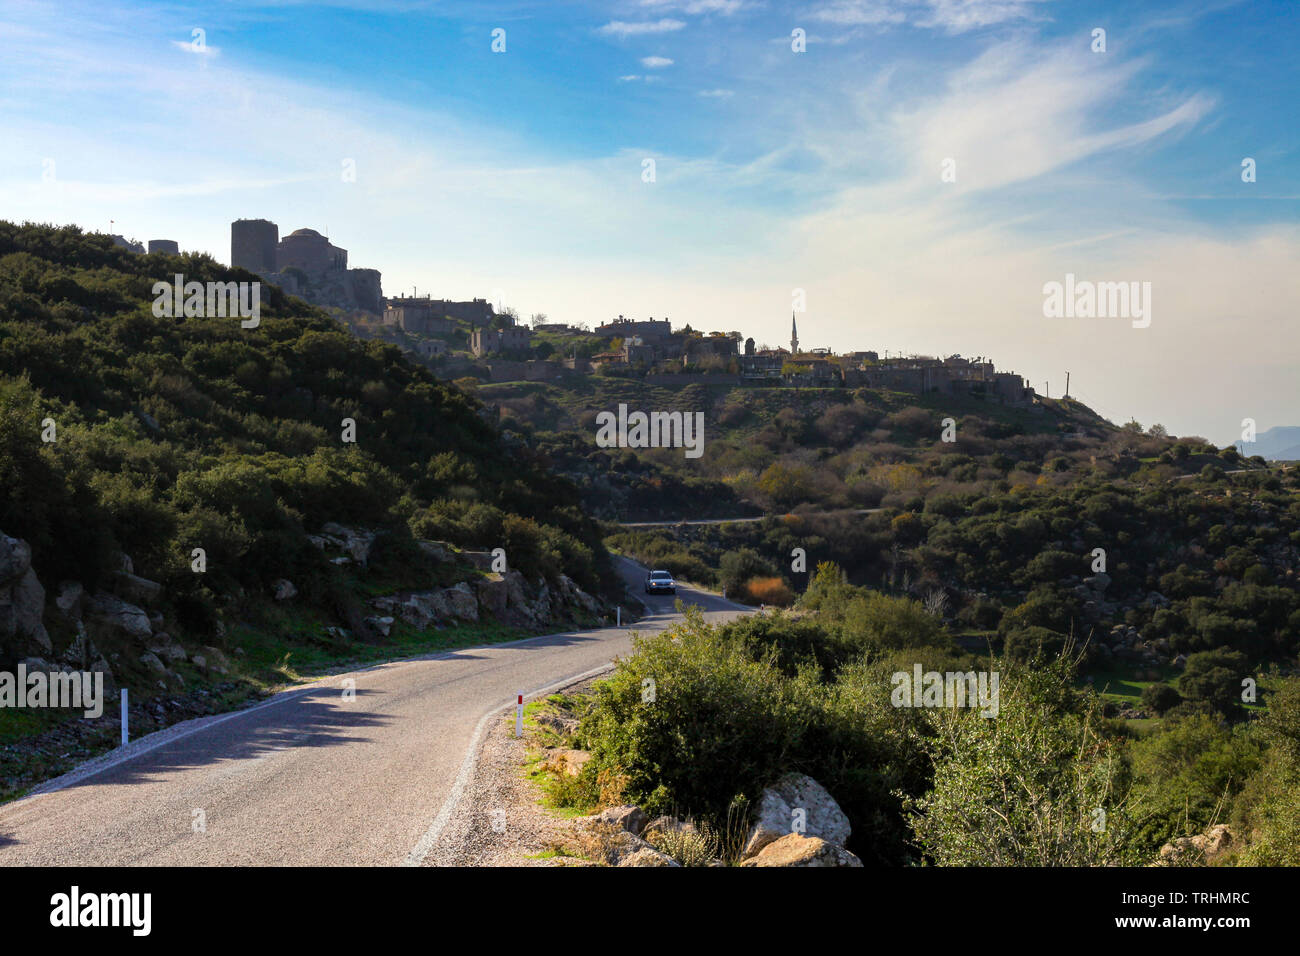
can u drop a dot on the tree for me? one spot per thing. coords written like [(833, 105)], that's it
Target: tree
[(1160, 698), (1215, 678)]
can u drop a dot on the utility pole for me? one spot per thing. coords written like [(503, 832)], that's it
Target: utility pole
[(1067, 385)]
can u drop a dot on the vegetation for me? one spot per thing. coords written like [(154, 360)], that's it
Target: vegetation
[(124, 432), (701, 718)]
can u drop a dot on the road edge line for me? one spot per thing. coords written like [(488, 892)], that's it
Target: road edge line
[(430, 837)]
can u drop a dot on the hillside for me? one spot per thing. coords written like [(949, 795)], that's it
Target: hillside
[(173, 484), (772, 449)]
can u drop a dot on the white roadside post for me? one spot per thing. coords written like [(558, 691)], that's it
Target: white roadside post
[(124, 731), (519, 717), (618, 620)]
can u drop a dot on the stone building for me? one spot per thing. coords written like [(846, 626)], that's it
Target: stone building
[(306, 264), (254, 244), (649, 330), (513, 338)]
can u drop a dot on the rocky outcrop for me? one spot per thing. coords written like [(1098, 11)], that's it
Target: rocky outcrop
[(136, 589), (796, 850), (22, 602), (606, 843), (648, 856), (631, 818), (796, 804), (110, 617), (1203, 849), (355, 544), (564, 762)]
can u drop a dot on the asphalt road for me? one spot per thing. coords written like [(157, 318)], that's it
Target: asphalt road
[(749, 520), (308, 778)]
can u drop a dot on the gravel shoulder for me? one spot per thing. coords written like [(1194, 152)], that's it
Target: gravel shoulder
[(500, 820)]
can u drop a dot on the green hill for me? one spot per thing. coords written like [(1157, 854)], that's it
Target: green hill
[(172, 434)]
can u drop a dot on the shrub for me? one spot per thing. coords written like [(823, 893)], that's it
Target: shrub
[(1160, 698), (772, 591)]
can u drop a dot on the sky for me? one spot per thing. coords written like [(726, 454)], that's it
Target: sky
[(911, 177)]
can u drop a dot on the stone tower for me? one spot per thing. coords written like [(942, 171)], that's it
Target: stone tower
[(253, 244), (794, 336)]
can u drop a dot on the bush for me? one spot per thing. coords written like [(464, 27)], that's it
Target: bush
[(772, 591), (1214, 677), (1160, 698), (1024, 789), (725, 720), (737, 568)]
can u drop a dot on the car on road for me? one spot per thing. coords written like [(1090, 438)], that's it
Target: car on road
[(660, 582)]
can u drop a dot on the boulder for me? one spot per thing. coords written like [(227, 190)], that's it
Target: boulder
[(438, 550), (648, 856), (356, 543), (161, 643), (605, 842), (479, 559), (283, 589), (136, 589), (795, 850), (383, 625), (111, 615), (462, 602), (69, 599), (150, 660), (15, 558), (493, 594), (630, 818), (666, 824), (22, 614), (215, 660), (822, 816), (565, 762)]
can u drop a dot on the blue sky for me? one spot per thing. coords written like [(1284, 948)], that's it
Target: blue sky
[(518, 175)]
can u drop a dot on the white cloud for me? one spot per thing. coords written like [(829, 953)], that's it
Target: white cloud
[(656, 62), (624, 29), (197, 50), (952, 16), (717, 94), (697, 7)]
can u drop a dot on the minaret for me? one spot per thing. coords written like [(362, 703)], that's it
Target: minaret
[(794, 336)]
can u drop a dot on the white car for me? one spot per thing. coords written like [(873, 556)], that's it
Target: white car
[(660, 582)]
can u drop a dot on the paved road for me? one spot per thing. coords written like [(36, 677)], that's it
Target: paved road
[(808, 514), (307, 778)]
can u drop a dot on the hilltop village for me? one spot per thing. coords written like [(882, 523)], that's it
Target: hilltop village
[(472, 339), (460, 339)]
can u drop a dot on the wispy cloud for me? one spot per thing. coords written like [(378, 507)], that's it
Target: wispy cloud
[(196, 47), (624, 29), (698, 7), (951, 16), (656, 62)]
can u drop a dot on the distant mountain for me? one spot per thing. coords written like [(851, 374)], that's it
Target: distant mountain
[(1281, 443)]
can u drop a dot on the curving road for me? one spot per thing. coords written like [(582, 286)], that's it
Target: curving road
[(308, 778)]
